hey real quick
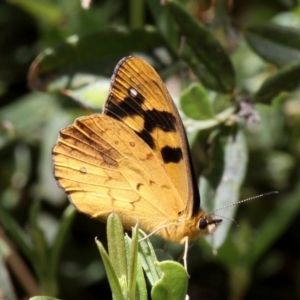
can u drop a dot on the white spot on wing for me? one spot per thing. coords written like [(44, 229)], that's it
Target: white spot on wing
[(133, 93)]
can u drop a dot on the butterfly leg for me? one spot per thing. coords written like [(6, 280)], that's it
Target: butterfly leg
[(184, 258)]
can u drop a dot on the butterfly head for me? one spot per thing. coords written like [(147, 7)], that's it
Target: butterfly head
[(200, 225), (207, 224)]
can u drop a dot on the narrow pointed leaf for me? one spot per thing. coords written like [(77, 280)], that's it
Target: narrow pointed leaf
[(277, 44), (140, 289), (60, 240), (116, 245), (148, 259), (82, 59), (50, 11), (111, 274), (164, 23), (18, 235), (205, 47), (200, 70), (286, 80), (221, 185), (132, 263), (40, 247)]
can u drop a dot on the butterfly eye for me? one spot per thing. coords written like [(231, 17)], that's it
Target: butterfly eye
[(203, 224)]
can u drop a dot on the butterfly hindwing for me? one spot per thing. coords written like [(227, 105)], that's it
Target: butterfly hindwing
[(104, 167)]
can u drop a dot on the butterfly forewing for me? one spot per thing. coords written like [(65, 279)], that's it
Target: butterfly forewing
[(139, 98)]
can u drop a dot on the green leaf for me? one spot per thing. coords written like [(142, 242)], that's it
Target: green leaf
[(90, 95), (287, 79), (277, 44), (48, 186), (82, 59), (165, 23), (195, 103), (132, 263), (141, 289), (51, 12), (148, 259), (116, 245), (111, 274), (138, 278), (200, 70), (44, 108), (173, 284), (221, 184), (59, 242), (205, 48), (17, 233), (37, 235), (49, 285)]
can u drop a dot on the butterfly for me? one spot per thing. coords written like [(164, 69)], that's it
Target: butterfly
[(134, 159)]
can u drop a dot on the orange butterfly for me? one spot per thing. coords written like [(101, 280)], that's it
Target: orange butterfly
[(134, 159)]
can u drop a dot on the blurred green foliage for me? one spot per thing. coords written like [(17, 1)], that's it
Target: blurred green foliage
[(238, 60)]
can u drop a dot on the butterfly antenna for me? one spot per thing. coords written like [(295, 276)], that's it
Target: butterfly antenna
[(230, 219), (245, 200)]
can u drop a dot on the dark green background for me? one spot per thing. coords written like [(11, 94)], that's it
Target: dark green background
[(260, 258)]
